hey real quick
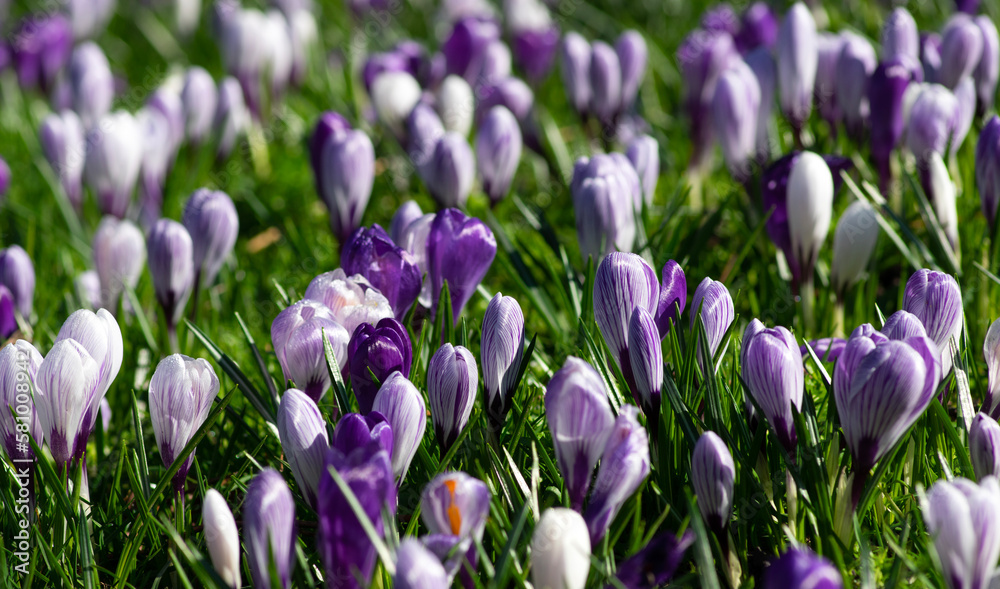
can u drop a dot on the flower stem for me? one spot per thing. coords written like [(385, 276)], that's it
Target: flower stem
[(838, 317), (808, 295)]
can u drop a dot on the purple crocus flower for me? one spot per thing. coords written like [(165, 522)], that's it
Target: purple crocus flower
[(828, 49), (758, 28), (963, 519), (800, 568), (765, 69), (232, 118), (344, 547), (302, 431), (632, 57), (900, 39), (17, 273), (774, 376), (68, 377), (451, 170), (965, 113), (8, 321), (351, 299), (644, 154), (713, 473), (269, 528), (181, 393), (657, 562), (672, 298), (798, 55), (713, 303), (91, 84), (902, 325), (855, 64), (988, 69), (407, 213), (886, 88), (166, 101), (991, 352), (101, 337), (931, 122), (119, 251), (961, 49), (18, 359), (580, 421), (513, 94), (452, 383), (418, 567), (934, 297), (984, 446), (62, 139), (211, 220), (113, 161), (356, 431), (464, 48), (455, 504), (624, 466), (721, 17), (498, 151), (460, 250), (646, 364), (575, 55), (371, 253), (988, 168), (344, 167), (297, 337), (200, 97), (39, 50), (535, 38), (171, 264), (735, 108), (702, 57), (881, 387), (374, 353), (501, 347), (157, 158), (827, 348), (605, 204), (404, 409)]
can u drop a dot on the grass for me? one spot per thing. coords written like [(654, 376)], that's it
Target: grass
[(132, 534)]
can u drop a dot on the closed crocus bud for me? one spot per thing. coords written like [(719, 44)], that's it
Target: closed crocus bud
[(881, 387), (302, 432), (102, 338), (407, 213), (886, 88), (66, 398), (297, 336), (580, 421), (166, 100), (624, 466), (759, 28), (941, 192), (302, 32), (984, 446), (935, 298), (423, 131), (991, 352), (414, 240), (703, 56), (348, 555), (735, 107), (403, 407), (17, 273), (456, 105), (498, 151), (644, 154), (605, 77), (39, 49), (457, 504), (452, 382), (61, 136), (715, 305), (221, 538), (965, 112), (156, 160), (902, 325), (501, 348), (269, 528), (632, 56), (575, 56), (114, 157), (900, 38), (232, 118), (988, 168), (853, 245), (810, 207), (624, 282), (394, 94), (801, 568), (181, 393), (19, 362), (352, 299), (988, 69), (931, 122), (91, 83), (345, 171), (355, 431), (713, 473), (211, 220), (464, 48), (119, 251), (560, 550), (961, 49), (855, 65), (535, 36), (512, 93), (451, 171), (774, 377), (389, 268), (762, 63), (460, 250), (171, 264), (797, 62), (8, 321), (646, 361), (963, 519), (200, 97), (828, 48), (604, 207), (418, 568), (374, 353), (673, 296)]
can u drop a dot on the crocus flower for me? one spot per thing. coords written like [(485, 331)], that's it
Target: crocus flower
[(513, 94), (644, 154), (931, 122), (886, 89), (935, 298), (828, 49), (102, 338), (941, 192), (715, 305), (302, 431), (624, 466), (157, 157), (961, 49), (373, 353), (988, 69), (991, 352), (535, 36), (855, 65), (646, 359), (269, 528), (200, 97), (580, 421), (810, 207), (984, 437), (356, 431), (211, 220), (91, 84), (656, 563), (774, 375), (455, 104), (930, 55), (623, 283), (800, 568), (605, 77), (469, 40), (232, 118), (853, 244), (8, 321), (371, 253), (797, 62), (735, 107), (575, 55), (963, 519), (343, 545), (19, 362), (452, 382), (672, 298), (988, 168), (632, 56), (90, 18), (166, 100), (297, 336), (171, 264), (394, 94), (62, 139), (221, 538), (17, 273), (498, 151), (418, 568), (713, 473), (881, 387), (345, 170), (352, 299), (902, 325), (414, 240), (560, 550), (407, 213), (758, 28), (899, 36), (451, 170), (604, 205), (119, 251), (965, 113), (456, 504), (181, 393), (703, 56), (721, 17), (762, 63), (113, 161), (403, 407), (501, 347), (39, 49), (460, 250), (67, 397)]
